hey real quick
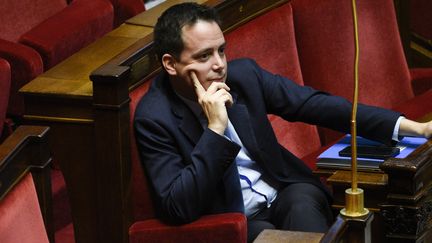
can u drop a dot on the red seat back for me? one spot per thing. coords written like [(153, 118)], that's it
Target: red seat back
[(19, 16), (142, 203), (325, 41), (20, 215), (270, 40)]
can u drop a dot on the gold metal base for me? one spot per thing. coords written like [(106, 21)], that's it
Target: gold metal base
[(354, 206)]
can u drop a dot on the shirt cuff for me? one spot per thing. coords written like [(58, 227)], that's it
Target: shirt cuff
[(395, 136)]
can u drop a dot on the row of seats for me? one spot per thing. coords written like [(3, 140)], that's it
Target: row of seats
[(35, 35), (286, 47)]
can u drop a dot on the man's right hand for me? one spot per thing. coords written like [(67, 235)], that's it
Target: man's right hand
[(213, 102)]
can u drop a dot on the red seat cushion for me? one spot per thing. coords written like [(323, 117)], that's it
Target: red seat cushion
[(228, 228)]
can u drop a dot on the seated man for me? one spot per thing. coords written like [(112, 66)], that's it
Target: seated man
[(207, 145)]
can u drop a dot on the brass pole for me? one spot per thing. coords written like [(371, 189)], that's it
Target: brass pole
[(354, 203)]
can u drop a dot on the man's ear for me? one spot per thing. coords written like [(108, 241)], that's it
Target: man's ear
[(169, 63)]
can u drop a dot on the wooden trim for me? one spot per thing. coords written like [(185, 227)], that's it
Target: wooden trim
[(57, 119)]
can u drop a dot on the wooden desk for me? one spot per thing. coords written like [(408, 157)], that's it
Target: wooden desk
[(399, 194), (283, 236)]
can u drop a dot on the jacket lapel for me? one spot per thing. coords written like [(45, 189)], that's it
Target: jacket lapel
[(188, 124), (241, 120)]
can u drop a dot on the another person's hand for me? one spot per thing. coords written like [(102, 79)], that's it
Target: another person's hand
[(213, 102)]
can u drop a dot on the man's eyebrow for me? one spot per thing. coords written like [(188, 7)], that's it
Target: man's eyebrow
[(206, 50), (200, 52), (223, 45)]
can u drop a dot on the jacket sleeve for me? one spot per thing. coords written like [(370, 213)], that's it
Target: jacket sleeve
[(295, 102)]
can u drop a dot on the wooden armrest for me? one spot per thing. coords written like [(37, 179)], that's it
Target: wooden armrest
[(336, 231), (17, 141)]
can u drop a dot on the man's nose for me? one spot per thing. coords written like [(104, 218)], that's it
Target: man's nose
[(218, 62)]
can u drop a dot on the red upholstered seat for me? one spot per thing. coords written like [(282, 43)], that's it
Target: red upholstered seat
[(26, 64), (37, 34), (5, 81), (229, 227), (25, 193), (69, 30), (20, 216), (325, 42), (270, 40)]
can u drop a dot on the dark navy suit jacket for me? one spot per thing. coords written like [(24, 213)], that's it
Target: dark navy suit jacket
[(192, 170)]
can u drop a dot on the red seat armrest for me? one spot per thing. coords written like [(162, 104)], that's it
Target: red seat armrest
[(25, 64), (227, 227)]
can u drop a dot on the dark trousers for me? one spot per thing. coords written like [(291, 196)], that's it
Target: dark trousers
[(298, 207)]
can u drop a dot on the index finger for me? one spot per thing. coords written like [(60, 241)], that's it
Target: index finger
[(199, 89)]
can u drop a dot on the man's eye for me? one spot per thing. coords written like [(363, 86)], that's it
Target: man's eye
[(204, 56), (222, 50)]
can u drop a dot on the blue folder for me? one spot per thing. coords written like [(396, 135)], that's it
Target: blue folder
[(331, 159)]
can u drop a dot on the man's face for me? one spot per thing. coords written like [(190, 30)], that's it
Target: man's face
[(203, 53)]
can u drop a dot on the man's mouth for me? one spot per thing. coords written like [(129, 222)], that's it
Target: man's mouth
[(219, 79)]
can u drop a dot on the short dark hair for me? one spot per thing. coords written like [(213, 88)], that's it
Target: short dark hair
[(168, 29)]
